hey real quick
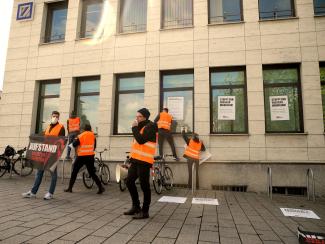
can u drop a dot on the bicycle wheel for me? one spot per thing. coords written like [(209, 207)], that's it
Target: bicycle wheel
[(3, 166), (168, 178), (87, 180), (22, 167), (156, 180), (122, 184), (105, 174)]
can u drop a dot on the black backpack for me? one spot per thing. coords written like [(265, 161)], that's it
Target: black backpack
[(9, 151)]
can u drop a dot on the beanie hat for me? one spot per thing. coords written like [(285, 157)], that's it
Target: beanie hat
[(145, 112)]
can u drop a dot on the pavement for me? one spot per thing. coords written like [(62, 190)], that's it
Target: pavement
[(85, 217)]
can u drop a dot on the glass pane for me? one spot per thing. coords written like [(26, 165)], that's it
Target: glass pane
[(291, 125), (93, 14), (47, 106), (178, 80), (177, 13), (275, 9), (133, 16), (228, 78), (127, 107), (229, 126), (280, 76), (319, 7), (187, 109), (88, 86), (323, 100), (131, 83), (87, 109), (322, 74), (50, 89), (58, 21), (224, 10)]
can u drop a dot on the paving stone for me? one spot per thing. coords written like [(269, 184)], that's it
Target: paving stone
[(209, 226), (228, 240), (169, 232), (250, 239), (92, 240), (209, 236), (118, 238), (266, 235), (17, 239), (77, 234), (160, 240), (245, 229), (47, 237), (10, 224), (11, 232), (69, 227), (59, 241), (106, 231), (39, 230), (228, 232)]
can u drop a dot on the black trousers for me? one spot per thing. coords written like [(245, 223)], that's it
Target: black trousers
[(190, 162), (141, 171), (89, 162), (162, 135)]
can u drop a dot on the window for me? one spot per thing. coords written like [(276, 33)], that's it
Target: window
[(90, 17), (133, 15), (177, 13), (276, 9), (87, 101), (129, 99), (177, 96), (319, 7), (322, 80), (282, 99), (228, 100), (56, 20), (225, 11), (48, 102)]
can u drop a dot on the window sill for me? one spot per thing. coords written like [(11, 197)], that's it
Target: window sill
[(176, 28), (123, 135), (83, 38), (280, 19), (286, 134), (50, 43), (319, 15), (243, 134), (131, 32), (226, 23)]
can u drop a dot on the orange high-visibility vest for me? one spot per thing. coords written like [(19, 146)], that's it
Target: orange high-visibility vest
[(193, 149), (143, 152), (165, 120), (55, 130), (87, 144), (74, 124)]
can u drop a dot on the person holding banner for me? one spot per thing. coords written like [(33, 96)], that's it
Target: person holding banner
[(86, 145), (192, 154), (55, 129), (73, 125)]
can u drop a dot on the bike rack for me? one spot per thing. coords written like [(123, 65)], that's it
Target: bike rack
[(269, 182), (310, 175)]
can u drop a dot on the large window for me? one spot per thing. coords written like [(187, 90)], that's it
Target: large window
[(276, 9), (56, 21), (90, 17), (177, 96), (225, 11), (87, 101), (282, 99), (133, 15), (228, 100), (177, 13), (322, 80), (129, 99), (48, 102), (319, 7)]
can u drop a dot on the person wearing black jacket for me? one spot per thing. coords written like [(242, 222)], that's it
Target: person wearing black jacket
[(141, 158)]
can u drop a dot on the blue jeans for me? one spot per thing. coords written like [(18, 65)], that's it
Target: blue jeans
[(38, 181)]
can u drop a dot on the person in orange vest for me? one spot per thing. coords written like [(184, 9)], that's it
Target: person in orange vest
[(141, 157), (192, 154), (164, 121), (73, 125), (54, 129), (86, 145)]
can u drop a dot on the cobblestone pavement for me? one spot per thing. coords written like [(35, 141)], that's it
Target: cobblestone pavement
[(86, 217)]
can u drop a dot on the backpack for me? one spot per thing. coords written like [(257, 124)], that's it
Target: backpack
[(9, 151)]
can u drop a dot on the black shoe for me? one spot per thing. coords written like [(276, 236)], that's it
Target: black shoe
[(101, 190), (141, 215), (68, 190), (134, 210), (176, 159)]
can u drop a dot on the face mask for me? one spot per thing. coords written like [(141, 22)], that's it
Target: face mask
[(54, 120)]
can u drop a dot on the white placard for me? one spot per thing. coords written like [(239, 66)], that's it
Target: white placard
[(226, 107), (302, 213), (279, 108), (172, 199), (207, 201), (175, 107), (204, 156)]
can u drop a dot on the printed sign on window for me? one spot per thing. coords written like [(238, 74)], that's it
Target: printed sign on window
[(279, 108), (25, 11), (176, 107), (226, 108)]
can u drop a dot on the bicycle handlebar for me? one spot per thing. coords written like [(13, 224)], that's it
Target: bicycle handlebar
[(100, 152)]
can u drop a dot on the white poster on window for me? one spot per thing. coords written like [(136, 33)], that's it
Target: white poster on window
[(226, 108), (175, 106), (279, 108)]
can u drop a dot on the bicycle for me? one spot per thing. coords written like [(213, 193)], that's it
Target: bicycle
[(102, 171), (162, 175), (126, 165), (20, 165)]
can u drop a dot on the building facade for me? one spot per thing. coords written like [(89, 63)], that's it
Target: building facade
[(247, 75)]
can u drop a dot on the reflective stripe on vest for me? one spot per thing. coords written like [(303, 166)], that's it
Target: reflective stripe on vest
[(74, 124), (87, 144), (165, 120), (55, 131), (193, 149), (143, 152)]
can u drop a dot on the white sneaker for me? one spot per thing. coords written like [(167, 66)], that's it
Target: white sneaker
[(28, 195), (48, 196)]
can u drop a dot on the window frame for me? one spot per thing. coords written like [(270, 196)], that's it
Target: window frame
[(297, 84), (83, 20), (322, 83), (41, 98), (162, 14), (162, 90), (216, 22), (117, 97), (293, 11)]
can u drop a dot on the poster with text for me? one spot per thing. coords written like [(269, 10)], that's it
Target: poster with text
[(176, 107), (226, 107), (279, 108)]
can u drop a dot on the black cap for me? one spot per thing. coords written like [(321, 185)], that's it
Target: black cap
[(145, 112)]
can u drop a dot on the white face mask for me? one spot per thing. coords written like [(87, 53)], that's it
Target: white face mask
[(54, 120)]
